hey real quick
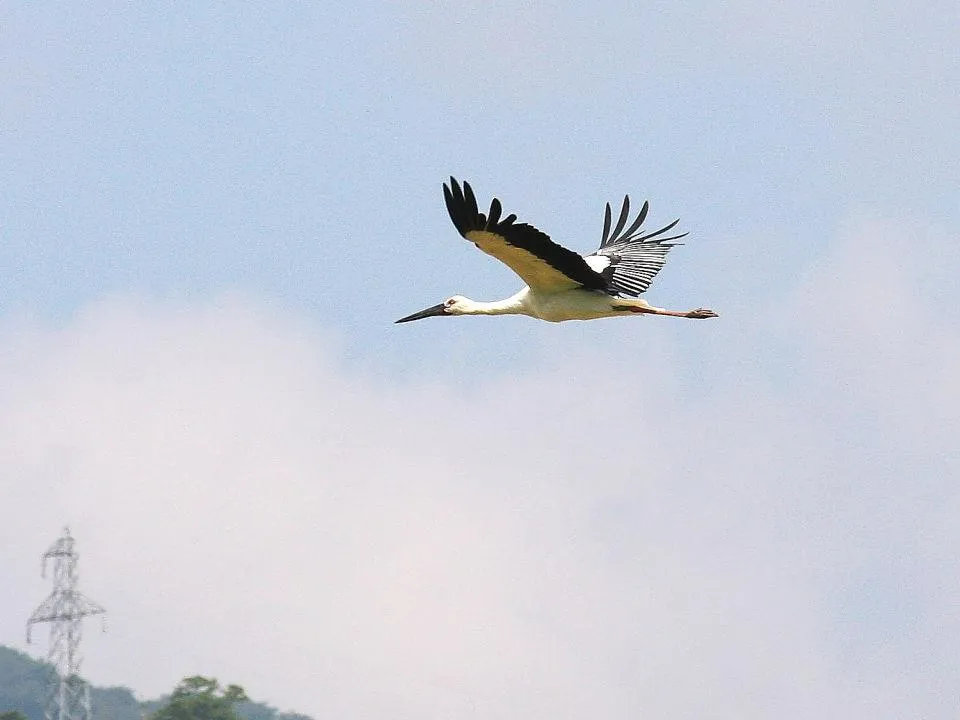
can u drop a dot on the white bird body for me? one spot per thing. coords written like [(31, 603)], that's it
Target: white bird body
[(561, 284), (574, 304)]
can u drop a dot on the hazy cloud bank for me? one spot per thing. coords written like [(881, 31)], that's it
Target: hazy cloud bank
[(772, 534)]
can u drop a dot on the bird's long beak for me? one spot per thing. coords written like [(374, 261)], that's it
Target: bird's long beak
[(436, 310)]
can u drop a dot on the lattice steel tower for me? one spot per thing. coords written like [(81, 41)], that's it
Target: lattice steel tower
[(64, 609)]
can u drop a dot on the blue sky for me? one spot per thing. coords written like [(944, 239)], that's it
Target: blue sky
[(212, 216)]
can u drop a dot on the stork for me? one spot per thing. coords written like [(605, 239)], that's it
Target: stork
[(561, 284)]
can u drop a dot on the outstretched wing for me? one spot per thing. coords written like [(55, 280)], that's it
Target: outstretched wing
[(531, 254), (628, 259)]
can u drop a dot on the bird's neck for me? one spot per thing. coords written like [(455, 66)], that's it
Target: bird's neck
[(507, 306)]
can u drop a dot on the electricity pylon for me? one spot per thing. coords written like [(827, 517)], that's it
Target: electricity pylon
[(64, 609)]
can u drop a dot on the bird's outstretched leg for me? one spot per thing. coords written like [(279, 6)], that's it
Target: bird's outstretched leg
[(642, 306), (698, 314)]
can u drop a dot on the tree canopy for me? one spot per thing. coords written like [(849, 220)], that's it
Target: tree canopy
[(201, 698)]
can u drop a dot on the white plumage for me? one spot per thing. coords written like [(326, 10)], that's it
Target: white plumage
[(561, 284)]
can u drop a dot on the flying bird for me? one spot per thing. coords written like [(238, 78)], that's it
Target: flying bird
[(561, 284)]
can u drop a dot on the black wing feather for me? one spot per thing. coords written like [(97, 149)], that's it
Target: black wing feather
[(634, 258), (466, 216)]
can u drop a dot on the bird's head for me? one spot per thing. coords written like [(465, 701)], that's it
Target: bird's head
[(456, 305)]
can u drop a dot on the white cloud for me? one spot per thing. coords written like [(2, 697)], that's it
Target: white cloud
[(556, 543)]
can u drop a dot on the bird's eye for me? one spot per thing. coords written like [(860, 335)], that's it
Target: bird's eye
[(449, 302)]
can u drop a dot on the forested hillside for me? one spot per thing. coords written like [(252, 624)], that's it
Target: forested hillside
[(23, 683)]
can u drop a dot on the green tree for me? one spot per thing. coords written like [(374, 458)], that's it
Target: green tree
[(12, 715), (200, 698)]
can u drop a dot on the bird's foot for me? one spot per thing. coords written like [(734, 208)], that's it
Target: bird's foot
[(701, 314)]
